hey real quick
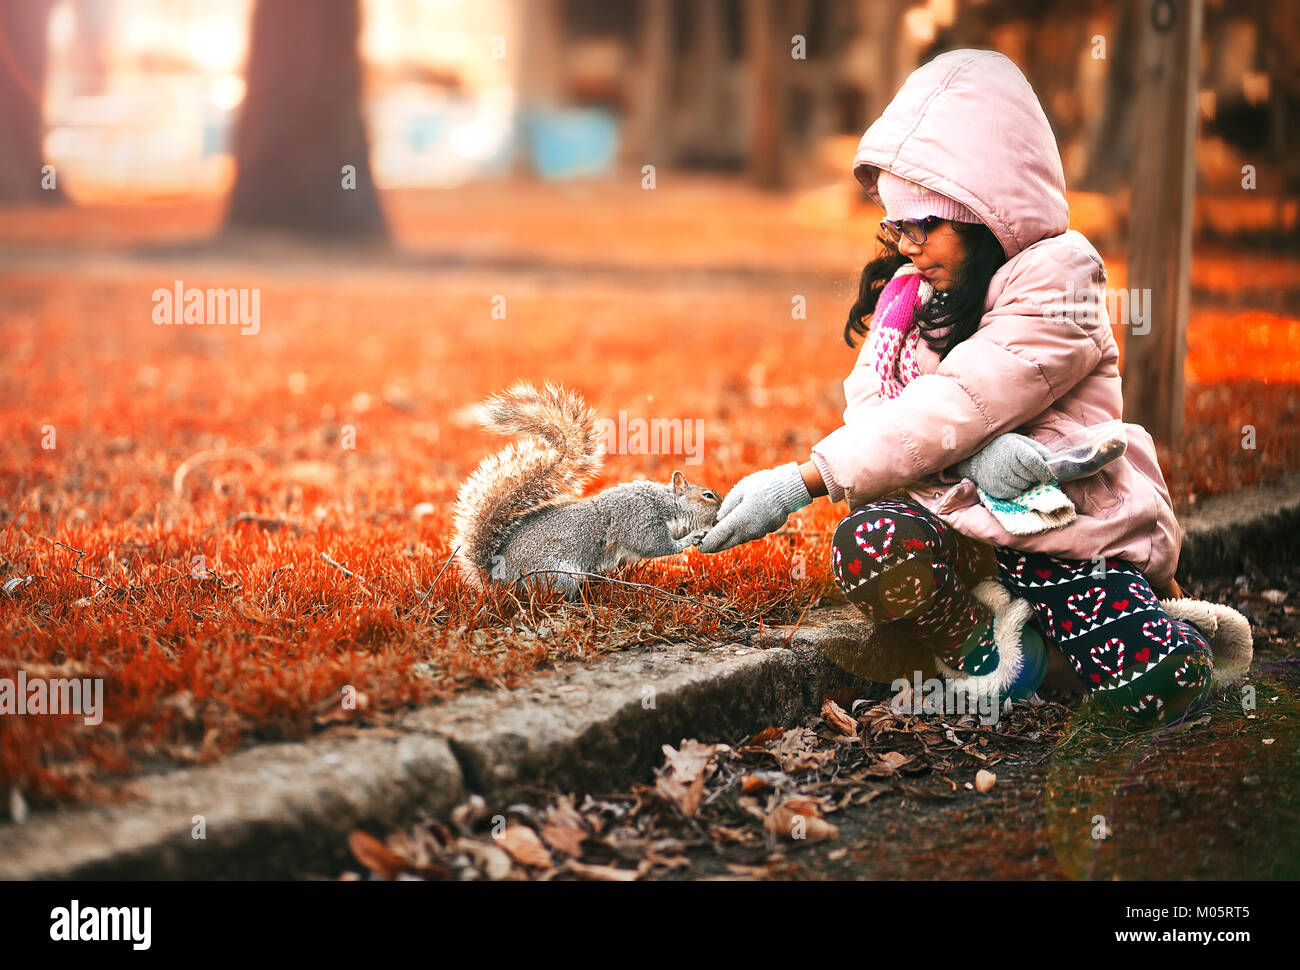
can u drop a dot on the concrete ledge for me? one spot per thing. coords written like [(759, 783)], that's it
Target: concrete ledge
[(596, 728), (268, 811), (284, 810), (1224, 530)]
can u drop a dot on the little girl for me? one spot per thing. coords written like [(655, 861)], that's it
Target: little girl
[(989, 343)]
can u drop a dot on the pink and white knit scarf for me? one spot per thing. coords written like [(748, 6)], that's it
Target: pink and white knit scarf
[(894, 334)]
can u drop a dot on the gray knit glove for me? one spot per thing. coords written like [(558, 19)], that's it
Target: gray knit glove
[(758, 504), (1007, 466)]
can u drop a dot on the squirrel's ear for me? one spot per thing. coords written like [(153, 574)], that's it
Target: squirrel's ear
[(679, 481)]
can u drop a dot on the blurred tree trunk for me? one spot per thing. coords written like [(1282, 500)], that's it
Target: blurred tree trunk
[(301, 125), (706, 64), (768, 48), (23, 25), (1110, 141), (652, 123), (1160, 223)]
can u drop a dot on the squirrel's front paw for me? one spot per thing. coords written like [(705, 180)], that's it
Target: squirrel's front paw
[(691, 539)]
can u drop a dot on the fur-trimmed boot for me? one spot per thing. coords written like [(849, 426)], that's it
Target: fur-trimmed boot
[(1225, 630), (1021, 654)]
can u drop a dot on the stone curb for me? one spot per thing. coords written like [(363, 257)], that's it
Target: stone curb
[(284, 810), (1224, 530), (265, 810)]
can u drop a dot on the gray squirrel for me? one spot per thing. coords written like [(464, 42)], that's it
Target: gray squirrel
[(520, 512)]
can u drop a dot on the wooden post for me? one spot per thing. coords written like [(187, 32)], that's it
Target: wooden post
[(653, 119), (23, 50), (1161, 214), (767, 49), (706, 65), (301, 125), (1109, 141)]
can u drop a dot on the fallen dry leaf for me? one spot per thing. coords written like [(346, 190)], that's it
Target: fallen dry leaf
[(564, 838), (563, 813), (689, 762), (806, 805), (799, 819), (685, 773), (685, 797), (888, 764), (876, 719), (524, 846), (413, 845), (376, 856), (839, 718), (798, 751)]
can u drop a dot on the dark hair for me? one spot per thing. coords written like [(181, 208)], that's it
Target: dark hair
[(961, 307)]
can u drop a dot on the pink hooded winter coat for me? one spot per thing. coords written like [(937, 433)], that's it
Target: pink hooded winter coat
[(1043, 362)]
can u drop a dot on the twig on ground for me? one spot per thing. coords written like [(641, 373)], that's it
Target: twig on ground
[(433, 584), (795, 628), (343, 569), (81, 554), (379, 593), (105, 585)]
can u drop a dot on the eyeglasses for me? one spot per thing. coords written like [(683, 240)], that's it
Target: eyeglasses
[(915, 229)]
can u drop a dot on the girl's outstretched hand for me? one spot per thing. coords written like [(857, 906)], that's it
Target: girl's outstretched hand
[(758, 504)]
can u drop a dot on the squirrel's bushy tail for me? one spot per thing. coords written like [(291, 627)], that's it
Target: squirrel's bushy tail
[(557, 457)]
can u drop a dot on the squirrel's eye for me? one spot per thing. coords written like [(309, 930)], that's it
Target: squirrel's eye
[(710, 496)]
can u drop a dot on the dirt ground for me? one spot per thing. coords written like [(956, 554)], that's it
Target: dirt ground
[(1218, 801)]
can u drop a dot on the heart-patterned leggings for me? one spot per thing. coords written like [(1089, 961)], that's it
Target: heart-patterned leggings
[(901, 564)]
